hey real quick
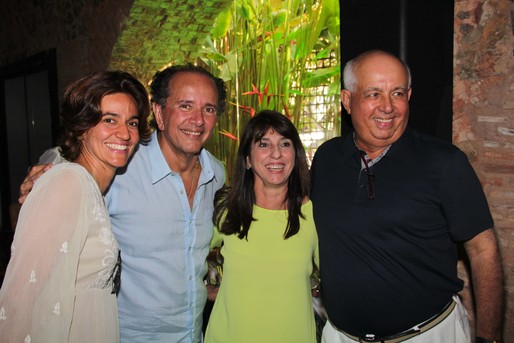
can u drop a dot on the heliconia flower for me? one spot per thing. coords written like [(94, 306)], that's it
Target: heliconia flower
[(256, 92), (260, 94), (248, 109), (286, 109), (268, 96), (229, 135), (253, 91)]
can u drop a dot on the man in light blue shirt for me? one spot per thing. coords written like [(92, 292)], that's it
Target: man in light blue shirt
[(163, 244), (161, 211)]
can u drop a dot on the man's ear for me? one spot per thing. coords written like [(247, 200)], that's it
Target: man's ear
[(346, 97), (409, 92), (157, 111)]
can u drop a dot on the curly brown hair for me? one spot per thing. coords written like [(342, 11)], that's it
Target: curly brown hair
[(81, 107)]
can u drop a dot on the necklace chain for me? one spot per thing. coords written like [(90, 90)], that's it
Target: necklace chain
[(193, 174)]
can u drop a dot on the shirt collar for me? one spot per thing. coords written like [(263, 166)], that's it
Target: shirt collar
[(158, 165), (404, 147), (160, 169), (348, 147), (370, 161), (401, 149)]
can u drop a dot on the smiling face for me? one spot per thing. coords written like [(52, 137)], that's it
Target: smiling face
[(272, 160), (379, 104), (190, 114), (109, 144)]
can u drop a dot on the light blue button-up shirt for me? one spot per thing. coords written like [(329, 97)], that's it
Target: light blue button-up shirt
[(163, 246)]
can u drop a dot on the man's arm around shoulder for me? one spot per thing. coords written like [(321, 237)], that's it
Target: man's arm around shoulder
[(46, 160)]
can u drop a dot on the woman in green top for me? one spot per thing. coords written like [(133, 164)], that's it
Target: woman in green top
[(268, 238)]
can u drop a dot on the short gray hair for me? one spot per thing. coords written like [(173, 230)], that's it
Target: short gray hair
[(349, 79)]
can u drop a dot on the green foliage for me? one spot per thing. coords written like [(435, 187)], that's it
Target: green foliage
[(222, 24), (267, 51)]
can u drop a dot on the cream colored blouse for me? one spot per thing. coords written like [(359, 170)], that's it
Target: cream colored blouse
[(58, 283)]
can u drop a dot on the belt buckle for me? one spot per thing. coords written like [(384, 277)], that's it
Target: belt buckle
[(369, 338)]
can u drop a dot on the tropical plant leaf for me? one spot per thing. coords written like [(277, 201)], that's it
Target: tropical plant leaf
[(320, 76), (222, 23), (266, 50)]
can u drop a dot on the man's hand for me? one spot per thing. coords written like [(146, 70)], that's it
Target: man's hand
[(34, 173), (212, 292)]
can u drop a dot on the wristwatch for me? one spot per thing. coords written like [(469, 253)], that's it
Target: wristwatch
[(483, 340)]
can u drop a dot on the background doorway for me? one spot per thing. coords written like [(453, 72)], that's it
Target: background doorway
[(29, 112)]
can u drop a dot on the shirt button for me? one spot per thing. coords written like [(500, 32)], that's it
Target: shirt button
[(190, 277)]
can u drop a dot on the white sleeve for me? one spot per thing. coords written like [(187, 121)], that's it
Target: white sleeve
[(52, 155), (51, 220)]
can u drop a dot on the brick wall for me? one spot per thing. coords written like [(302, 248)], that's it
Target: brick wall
[(483, 124)]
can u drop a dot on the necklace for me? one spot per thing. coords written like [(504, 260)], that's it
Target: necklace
[(193, 175)]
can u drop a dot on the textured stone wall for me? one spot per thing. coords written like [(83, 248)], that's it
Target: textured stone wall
[(138, 36), (483, 124), (158, 32)]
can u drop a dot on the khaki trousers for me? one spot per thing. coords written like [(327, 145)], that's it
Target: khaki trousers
[(453, 329)]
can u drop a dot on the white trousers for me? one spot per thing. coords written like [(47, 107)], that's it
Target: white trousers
[(453, 329)]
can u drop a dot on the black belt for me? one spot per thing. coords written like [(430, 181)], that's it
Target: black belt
[(414, 331)]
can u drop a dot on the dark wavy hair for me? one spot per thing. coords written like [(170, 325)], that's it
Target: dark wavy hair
[(81, 107), (233, 211), (160, 91)]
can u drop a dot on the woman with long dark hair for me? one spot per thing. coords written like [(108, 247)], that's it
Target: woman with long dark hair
[(268, 240)]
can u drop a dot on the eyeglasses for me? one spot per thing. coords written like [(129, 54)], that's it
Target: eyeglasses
[(370, 174)]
